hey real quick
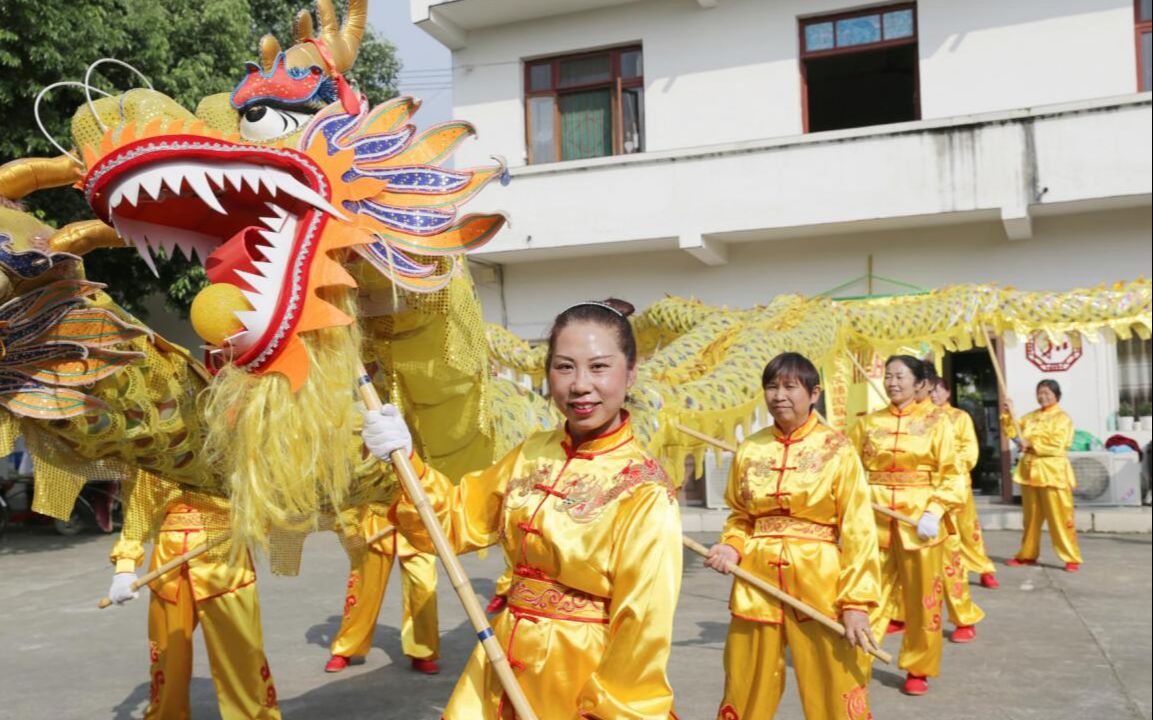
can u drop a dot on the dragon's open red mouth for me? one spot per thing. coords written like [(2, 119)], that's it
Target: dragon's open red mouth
[(248, 213)]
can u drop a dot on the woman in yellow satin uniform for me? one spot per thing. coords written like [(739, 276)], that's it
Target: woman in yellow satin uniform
[(591, 524), (1046, 478), (367, 583), (210, 591), (908, 452), (801, 520)]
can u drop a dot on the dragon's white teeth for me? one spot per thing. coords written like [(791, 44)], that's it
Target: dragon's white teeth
[(235, 178), (145, 251), (273, 223), (302, 192), (276, 210), (216, 175), (131, 191), (199, 184), (268, 182), (252, 178), (151, 182), (174, 179)]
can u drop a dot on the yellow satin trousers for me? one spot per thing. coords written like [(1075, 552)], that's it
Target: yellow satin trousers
[(367, 582), (231, 626), (972, 541), (917, 576), (832, 677), (1053, 506)]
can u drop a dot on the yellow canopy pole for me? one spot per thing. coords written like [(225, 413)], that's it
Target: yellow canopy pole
[(1000, 375), (872, 383), (456, 574)]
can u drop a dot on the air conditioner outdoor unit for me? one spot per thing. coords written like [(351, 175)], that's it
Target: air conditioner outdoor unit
[(717, 478), (1105, 478)]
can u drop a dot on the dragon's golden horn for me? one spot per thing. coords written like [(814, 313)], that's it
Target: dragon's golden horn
[(269, 50), (302, 27), (80, 238), (24, 177)]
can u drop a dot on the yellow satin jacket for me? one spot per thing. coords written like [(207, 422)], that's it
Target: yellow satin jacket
[(801, 520), (911, 459), (594, 533), (1046, 464)]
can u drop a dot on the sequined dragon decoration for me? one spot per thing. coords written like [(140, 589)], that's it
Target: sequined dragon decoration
[(330, 233), (701, 365)]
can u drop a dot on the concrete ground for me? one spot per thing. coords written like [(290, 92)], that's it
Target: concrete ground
[(1054, 645)]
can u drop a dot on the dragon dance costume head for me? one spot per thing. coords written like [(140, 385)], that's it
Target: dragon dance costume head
[(280, 188)]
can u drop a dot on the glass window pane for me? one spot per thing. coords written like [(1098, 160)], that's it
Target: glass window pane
[(582, 71), (858, 30), (542, 129), (631, 65), (1146, 61), (633, 120), (586, 125), (819, 36), (898, 24), (540, 76), (1146, 9)]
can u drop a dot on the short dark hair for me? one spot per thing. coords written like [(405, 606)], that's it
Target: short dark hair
[(611, 313), (943, 383), (930, 372), (914, 364), (792, 365), (1052, 385)]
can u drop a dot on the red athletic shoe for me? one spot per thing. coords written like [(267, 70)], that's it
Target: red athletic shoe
[(336, 663), (428, 667), (964, 634), (989, 580), (1072, 567), (1018, 562), (496, 604), (916, 685), (895, 626)]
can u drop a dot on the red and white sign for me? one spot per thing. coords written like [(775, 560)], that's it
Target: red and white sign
[(1053, 357)]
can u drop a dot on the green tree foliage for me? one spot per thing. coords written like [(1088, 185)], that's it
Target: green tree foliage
[(187, 49)]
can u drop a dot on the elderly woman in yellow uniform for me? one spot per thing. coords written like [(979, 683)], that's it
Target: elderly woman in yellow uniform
[(367, 582), (908, 452), (210, 591), (591, 524), (1046, 478), (962, 526), (801, 520)]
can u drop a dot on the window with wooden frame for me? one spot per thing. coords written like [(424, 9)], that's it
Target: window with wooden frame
[(585, 105), (1142, 10), (859, 68)]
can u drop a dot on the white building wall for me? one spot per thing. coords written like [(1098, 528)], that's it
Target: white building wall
[(732, 73)]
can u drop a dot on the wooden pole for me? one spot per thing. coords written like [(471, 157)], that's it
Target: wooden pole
[(732, 448), (171, 565), (379, 535), (872, 383), (1000, 376), (777, 594), (456, 574)]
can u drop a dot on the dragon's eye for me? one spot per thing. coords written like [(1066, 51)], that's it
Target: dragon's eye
[(261, 122)]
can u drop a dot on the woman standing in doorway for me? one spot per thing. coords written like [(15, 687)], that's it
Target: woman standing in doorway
[(801, 520), (908, 451), (1046, 477), (592, 526)]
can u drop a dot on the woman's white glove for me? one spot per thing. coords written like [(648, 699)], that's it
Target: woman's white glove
[(121, 590), (928, 526), (385, 432)]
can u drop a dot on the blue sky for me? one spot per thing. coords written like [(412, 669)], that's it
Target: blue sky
[(427, 70)]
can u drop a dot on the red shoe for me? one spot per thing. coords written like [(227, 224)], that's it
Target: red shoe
[(964, 634), (916, 685), (1018, 562), (895, 626), (428, 667), (1072, 567), (496, 604), (989, 580), (336, 663)]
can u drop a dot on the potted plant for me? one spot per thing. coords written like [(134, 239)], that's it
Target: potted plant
[(1125, 420), (1145, 412)]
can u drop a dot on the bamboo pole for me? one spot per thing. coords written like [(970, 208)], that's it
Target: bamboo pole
[(872, 383), (379, 535), (1000, 376), (716, 442), (171, 565), (456, 574), (777, 594)]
